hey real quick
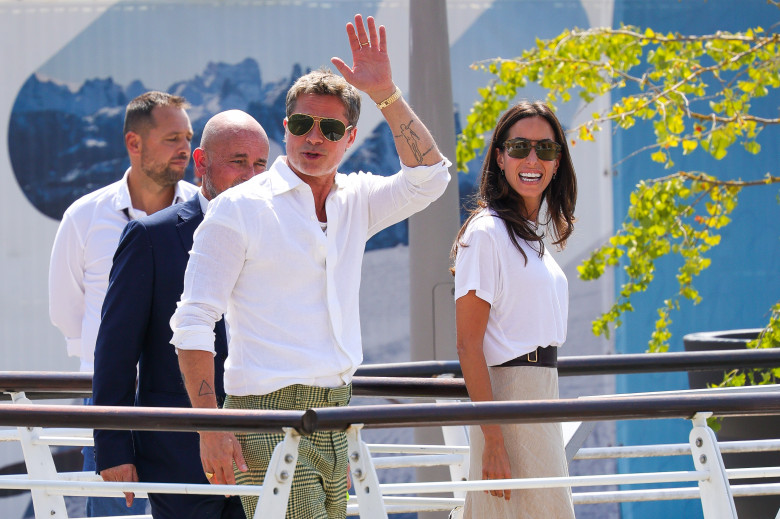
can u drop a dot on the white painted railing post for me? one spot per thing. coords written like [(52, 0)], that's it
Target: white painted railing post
[(40, 465), (278, 478), (456, 435), (716, 499), (364, 478)]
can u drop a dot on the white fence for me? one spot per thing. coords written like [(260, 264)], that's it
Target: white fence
[(710, 482)]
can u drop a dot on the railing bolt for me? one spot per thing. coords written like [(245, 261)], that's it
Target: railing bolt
[(52, 513), (358, 473), (283, 475), (703, 458), (699, 442), (288, 458), (355, 456)]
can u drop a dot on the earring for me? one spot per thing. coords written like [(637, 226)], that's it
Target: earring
[(502, 173)]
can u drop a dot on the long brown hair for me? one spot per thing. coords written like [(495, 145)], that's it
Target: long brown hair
[(495, 192)]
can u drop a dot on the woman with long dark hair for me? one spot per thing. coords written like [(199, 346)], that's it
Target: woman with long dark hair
[(511, 301)]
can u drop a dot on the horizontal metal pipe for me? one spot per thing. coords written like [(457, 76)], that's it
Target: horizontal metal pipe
[(565, 410), (633, 496), (409, 387), (753, 473), (634, 451), (110, 488), (113, 488), (392, 415), (572, 481), (413, 379), (759, 489), (603, 364), (434, 460), (52, 381), (749, 446), (153, 418), (398, 448)]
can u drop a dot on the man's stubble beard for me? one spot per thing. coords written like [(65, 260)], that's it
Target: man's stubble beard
[(163, 175), (208, 186)]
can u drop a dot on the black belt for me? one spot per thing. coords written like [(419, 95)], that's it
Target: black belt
[(543, 356)]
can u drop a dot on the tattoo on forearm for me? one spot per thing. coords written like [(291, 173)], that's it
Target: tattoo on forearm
[(413, 141), (205, 389)]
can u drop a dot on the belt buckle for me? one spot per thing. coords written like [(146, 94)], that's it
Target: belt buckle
[(535, 358)]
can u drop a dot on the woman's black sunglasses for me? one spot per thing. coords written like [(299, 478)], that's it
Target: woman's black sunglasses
[(520, 148), (332, 129)]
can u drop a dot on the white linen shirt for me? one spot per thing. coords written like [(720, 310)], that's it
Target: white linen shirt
[(81, 260), (529, 304), (289, 291)]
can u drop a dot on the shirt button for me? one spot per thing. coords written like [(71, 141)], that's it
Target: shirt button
[(313, 218)]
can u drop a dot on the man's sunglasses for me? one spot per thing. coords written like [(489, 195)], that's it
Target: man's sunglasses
[(520, 148), (332, 129)]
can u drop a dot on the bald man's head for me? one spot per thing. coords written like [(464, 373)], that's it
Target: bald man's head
[(233, 149)]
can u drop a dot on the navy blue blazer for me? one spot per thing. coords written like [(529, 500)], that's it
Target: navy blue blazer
[(145, 283)]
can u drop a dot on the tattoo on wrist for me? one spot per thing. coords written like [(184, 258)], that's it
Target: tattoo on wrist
[(205, 389), (413, 141)]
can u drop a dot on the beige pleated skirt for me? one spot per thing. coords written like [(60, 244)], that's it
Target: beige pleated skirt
[(535, 450)]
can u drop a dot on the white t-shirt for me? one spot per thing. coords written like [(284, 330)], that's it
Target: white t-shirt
[(529, 304)]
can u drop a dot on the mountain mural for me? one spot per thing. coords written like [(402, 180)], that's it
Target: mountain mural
[(64, 143)]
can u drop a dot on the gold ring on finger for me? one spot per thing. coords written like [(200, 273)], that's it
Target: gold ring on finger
[(209, 475)]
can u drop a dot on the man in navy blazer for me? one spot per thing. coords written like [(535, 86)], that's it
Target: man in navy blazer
[(145, 284)]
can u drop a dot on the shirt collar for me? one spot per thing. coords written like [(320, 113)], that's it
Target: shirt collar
[(204, 203), (123, 203), (178, 196), (122, 198), (283, 179)]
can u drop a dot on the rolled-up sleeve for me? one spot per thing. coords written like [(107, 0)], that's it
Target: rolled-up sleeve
[(392, 199), (216, 259)]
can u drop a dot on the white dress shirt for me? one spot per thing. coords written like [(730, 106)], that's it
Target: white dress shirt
[(289, 291), (529, 303), (81, 260)]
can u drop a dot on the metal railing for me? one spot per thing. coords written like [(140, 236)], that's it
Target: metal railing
[(372, 499), (412, 378)]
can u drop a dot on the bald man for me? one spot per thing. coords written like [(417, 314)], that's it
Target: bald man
[(145, 283)]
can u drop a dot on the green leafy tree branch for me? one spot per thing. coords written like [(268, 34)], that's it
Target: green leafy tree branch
[(695, 91), (768, 338)]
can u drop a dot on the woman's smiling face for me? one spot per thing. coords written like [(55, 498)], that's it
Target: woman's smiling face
[(529, 176)]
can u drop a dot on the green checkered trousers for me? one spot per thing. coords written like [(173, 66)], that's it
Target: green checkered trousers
[(319, 486)]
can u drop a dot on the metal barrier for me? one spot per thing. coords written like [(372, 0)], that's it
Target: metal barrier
[(409, 378), (372, 499)]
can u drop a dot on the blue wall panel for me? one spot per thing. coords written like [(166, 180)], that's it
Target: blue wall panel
[(742, 282)]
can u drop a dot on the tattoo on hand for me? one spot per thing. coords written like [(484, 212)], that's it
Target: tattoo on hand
[(412, 139), (205, 389)]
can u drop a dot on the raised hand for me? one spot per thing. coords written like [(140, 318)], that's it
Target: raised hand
[(370, 71)]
